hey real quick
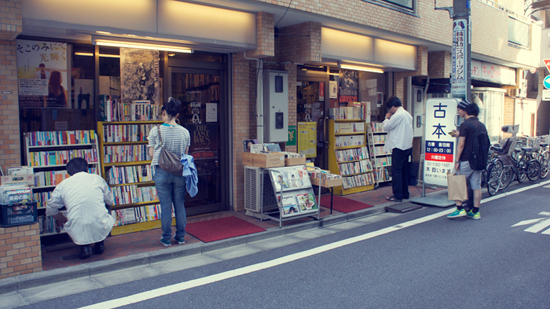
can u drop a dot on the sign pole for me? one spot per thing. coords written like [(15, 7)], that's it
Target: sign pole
[(461, 78)]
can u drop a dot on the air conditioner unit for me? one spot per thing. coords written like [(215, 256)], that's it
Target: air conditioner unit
[(253, 186)]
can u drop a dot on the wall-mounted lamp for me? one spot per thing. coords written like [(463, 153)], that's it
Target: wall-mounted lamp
[(142, 45), (359, 68)]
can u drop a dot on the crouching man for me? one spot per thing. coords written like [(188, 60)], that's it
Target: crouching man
[(85, 196)]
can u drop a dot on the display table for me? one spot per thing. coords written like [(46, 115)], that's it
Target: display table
[(329, 184)]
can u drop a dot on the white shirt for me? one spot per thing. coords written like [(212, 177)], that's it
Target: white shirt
[(84, 195), (400, 132)]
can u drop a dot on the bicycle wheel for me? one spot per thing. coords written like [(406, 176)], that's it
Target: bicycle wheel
[(506, 177), (533, 170), (522, 174), (544, 162), (493, 174)]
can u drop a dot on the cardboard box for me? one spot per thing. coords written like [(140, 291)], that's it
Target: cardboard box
[(293, 161), (15, 180), (264, 160), (327, 183)]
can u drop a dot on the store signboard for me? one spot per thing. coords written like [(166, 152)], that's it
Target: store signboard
[(42, 74), (440, 146), (459, 55), (546, 94)]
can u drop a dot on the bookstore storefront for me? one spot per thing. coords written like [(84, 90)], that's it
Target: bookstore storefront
[(114, 84)]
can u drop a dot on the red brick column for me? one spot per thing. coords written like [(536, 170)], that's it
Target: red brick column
[(20, 250), (265, 36), (10, 27), (300, 43)]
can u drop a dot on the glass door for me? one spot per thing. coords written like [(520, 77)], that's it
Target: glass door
[(202, 105), (311, 109)]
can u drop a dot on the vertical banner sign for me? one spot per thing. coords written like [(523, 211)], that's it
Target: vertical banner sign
[(458, 81), (42, 74), (440, 145)]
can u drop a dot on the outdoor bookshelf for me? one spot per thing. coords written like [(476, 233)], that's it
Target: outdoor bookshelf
[(381, 159), (349, 155), (125, 166), (48, 154)]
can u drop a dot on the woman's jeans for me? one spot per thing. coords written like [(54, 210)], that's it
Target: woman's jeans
[(171, 190)]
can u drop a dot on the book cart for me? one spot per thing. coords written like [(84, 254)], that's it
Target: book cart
[(48, 154), (381, 159), (126, 169), (348, 155), (293, 192), (326, 183)]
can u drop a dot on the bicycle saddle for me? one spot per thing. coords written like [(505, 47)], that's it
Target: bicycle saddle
[(497, 148), (544, 145), (527, 149)]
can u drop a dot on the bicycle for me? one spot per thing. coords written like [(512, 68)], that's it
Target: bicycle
[(542, 155)]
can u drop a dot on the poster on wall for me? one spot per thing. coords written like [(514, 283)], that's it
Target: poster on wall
[(204, 139), (348, 87), (139, 71), (42, 74), (307, 139)]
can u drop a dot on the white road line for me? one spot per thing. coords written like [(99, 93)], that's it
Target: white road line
[(527, 222), (178, 287), (538, 227)]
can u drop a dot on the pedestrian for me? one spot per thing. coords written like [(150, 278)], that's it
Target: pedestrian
[(171, 189), (398, 124), (470, 125), (85, 196), (461, 111)]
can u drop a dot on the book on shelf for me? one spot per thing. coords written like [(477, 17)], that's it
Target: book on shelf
[(60, 138), (124, 153), (382, 174), (129, 174), (111, 109), (132, 194), (126, 132), (377, 127), (358, 167), (139, 214), (47, 225), (352, 154), (352, 140), (61, 157), (349, 127), (357, 181), (347, 112)]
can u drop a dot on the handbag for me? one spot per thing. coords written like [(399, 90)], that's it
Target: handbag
[(169, 161), (456, 187)]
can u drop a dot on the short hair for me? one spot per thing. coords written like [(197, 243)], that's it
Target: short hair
[(41, 65), (77, 165), (472, 109), (393, 102), (172, 107)]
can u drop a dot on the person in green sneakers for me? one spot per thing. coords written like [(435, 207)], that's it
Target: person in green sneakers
[(465, 133)]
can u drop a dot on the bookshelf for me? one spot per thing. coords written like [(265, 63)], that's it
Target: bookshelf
[(125, 166), (381, 159), (48, 153), (349, 155)]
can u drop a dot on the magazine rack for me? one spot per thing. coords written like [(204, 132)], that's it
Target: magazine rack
[(293, 193)]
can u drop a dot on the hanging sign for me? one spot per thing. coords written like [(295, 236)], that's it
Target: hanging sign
[(440, 146), (459, 54), (546, 82)]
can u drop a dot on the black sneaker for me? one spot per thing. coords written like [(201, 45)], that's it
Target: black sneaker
[(179, 240), (85, 251), (166, 242), (99, 247)]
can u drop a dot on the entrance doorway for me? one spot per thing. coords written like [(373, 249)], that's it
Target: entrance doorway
[(203, 104), (311, 110)]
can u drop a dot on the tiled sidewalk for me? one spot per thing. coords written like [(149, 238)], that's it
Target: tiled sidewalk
[(140, 242)]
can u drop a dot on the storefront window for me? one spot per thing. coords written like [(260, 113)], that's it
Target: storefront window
[(373, 89)]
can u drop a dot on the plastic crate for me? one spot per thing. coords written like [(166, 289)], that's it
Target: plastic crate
[(19, 214)]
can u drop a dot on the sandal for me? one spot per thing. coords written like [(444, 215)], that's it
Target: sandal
[(393, 199)]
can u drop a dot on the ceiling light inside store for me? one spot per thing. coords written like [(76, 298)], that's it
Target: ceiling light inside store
[(143, 45), (360, 68), (102, 32), (100, 55), (171, 55)]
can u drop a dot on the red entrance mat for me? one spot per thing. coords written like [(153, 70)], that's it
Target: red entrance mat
[(343, 204), (223, 228)]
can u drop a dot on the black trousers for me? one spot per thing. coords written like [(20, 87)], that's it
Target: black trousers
[(400, 172)]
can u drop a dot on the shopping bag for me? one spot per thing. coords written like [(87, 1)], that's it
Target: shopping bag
[(456, 187)]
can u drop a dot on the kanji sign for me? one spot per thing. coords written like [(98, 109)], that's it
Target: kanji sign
[(459, 55), (440, 146)]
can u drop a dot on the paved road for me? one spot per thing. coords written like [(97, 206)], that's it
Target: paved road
[(415, 260)]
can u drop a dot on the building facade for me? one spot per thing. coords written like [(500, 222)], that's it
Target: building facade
[(376, 48)]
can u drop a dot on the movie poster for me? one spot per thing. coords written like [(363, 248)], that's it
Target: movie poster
[(139, 70), (42, 74), (348, 87)]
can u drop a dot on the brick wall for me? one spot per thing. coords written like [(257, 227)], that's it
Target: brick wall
[(10, 27), (265, 36), (20, 250), (300, 43), (439, 64)]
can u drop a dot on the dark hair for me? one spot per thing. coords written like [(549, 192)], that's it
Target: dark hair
[(77, 165), (172, 107), (472, 109), (392, 102), (41, 65), (55, 79)]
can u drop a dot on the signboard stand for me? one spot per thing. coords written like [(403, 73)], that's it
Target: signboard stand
[(439, 149)]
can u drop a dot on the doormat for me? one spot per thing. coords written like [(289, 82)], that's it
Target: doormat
[(223, 228), (343, 204)]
